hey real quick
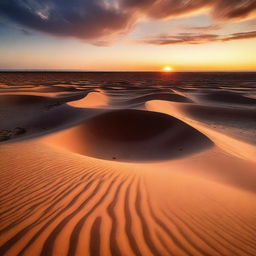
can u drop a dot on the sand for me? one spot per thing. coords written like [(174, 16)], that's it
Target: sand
[(118, 172)]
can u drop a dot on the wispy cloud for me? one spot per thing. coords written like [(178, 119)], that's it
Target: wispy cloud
[(212, 27), (240, 36), (191, 38)]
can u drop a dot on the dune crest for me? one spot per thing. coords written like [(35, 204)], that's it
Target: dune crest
[(92, 100), (228, 143)]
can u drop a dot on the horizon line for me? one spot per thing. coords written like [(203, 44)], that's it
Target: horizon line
[(124, 71)]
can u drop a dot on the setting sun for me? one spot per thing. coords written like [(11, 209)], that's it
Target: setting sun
[(167, 69)]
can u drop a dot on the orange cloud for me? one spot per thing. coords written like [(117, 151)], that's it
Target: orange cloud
[(190, 38)]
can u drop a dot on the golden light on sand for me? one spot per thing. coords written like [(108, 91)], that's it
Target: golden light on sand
[(167, 69), (89, 186)]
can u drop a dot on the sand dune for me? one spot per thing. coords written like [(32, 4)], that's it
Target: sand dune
[(132, 135), (40, 89), (240, 122), (19, 100), (156, 96), (227, 140), (92, 100), (38, 115), (229, 98), (126, 165)]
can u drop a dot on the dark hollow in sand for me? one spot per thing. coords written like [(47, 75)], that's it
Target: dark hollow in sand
[(136, 135)]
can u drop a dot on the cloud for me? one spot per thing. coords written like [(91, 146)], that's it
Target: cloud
[(85, 19), (25, 32), (99, 21), (160, 9), (240, 36), (233, 9), (212, 27), (191, 38), (220, 9), (183, 38)]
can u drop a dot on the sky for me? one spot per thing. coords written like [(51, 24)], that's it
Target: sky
[(127, 35)]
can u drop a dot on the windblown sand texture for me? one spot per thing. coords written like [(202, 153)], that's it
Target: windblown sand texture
[(127, 164)]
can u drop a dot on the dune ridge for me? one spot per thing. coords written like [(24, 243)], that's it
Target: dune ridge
[(227, 141)]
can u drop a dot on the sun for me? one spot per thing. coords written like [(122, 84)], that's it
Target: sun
[(167, 69)]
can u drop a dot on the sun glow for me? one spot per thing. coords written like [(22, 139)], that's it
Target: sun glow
[(167, 69)]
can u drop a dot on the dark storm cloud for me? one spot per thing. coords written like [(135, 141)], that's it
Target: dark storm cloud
[(84, 19), (98, 20), (190, 38)]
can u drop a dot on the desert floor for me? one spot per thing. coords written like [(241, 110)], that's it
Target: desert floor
[(120, 171)]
